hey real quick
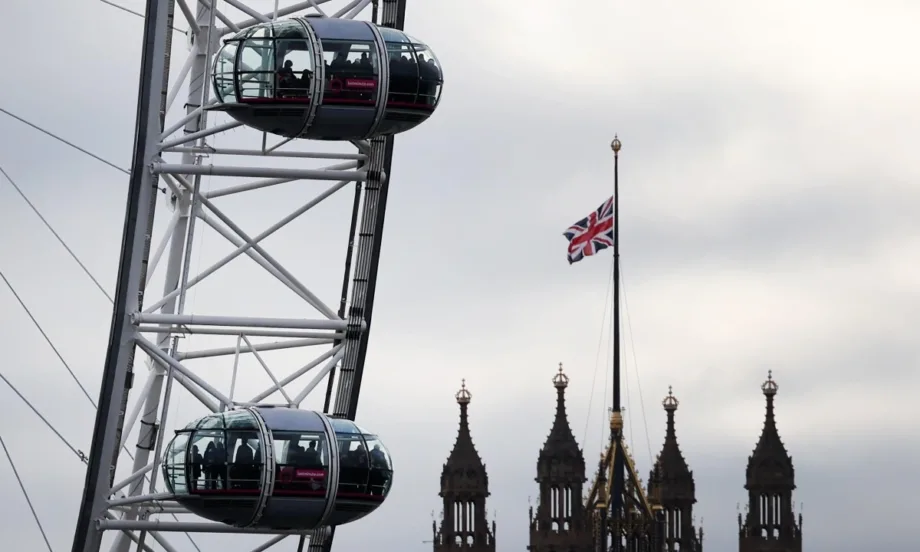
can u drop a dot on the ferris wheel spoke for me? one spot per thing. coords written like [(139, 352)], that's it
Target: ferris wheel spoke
[(271, 346), (330, 357), (282, 12), (231, 26), (352, 9), (189, 16)]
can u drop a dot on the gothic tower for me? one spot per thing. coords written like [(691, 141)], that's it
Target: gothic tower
[(561, 523), (464, 488), (671, 485), (770, 524)]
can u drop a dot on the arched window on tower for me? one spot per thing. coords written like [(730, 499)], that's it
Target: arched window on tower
[(458, 516), (667, 524), (763, 515), (770, 515), (568, 502), (778, 511), (472, 517)]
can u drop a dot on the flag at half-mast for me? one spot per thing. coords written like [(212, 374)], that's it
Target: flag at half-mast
[(592, 233)]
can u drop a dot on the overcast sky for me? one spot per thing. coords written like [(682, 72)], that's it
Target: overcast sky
[(768, 200)]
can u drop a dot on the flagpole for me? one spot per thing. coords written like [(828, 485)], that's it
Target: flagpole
[(615, 146), (616, 417)]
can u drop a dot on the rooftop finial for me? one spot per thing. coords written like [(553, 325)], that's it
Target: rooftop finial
[(616, 145), (769, 387), (463, 396), (670, 402), (560, 380)]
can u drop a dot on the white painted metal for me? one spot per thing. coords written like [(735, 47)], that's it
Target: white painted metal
[(133, 506)]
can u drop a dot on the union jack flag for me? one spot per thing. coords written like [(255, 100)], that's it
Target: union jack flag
[(592, 233)]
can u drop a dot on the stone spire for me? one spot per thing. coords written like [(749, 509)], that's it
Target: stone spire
[(561, 443), (561, 522), (464, 489), (671, 485), (770, 480), (674, 468), (770, 448), (464, 454)]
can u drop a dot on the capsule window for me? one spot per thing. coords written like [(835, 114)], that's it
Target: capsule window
[(404, 75), (209, 461), (351, 72), (392, 35), (240, 419), (342, 426), (257, 68), (381, 467), (245, 467), (353, 460), (175, 466), (295, 69), (301, 463), (223, 76), (211, 422), (430, 76)]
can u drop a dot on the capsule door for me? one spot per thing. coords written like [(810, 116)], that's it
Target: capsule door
[(354, 474), (300, 491), (352, 74), (256, 67), (294, 64)]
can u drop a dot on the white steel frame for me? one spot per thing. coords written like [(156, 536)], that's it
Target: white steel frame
[(130, 507)]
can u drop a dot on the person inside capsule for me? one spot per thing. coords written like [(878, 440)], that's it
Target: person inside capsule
[(351, 75), (300, 465), (247, 463), (287, 81)]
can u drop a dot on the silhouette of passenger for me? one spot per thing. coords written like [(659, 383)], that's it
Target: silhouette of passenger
[(378, 458), (211, 471), (220, 464), (286, 79), (429, 75), (197, 460), (287, 70), (380, 471), (242, 465), (244, 454), (311, 456)]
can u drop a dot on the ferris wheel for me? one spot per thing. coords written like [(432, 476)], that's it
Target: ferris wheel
[(311, 92)]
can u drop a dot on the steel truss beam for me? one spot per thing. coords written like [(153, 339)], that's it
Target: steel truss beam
[(171, 147)]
